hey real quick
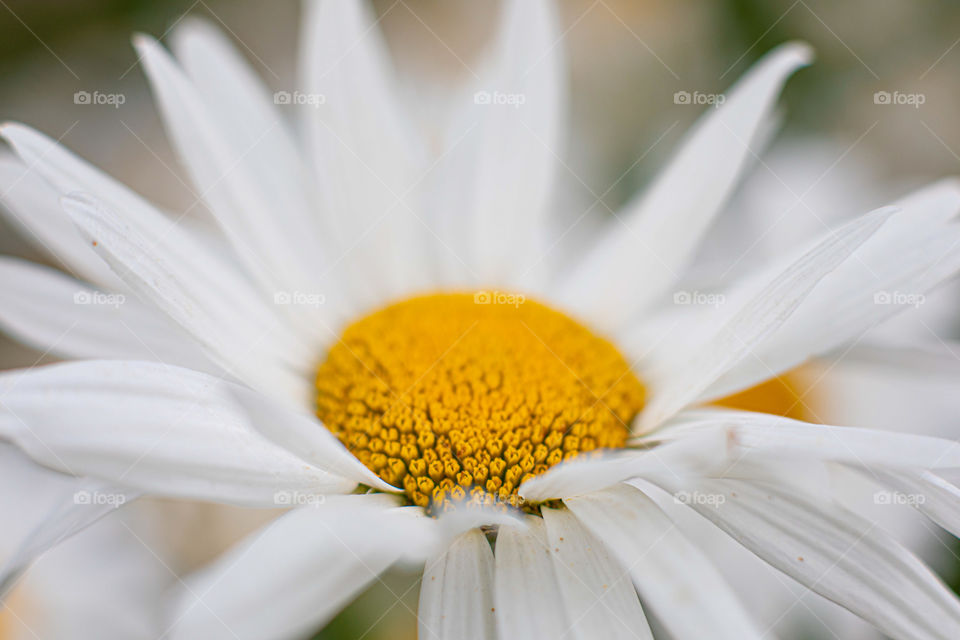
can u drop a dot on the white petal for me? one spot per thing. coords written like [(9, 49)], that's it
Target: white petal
[(226, 136), (245, 347), (154, 427), (454, 522), (756, 320), (527, 597), (368, 163), (205, 272), (763, 436), (675, 580), (456, 594), (304, 435), (67, 174), (698, 453), (34, 206), (56, 314), (642, 253), (246, 110), (599, 596), (917, 249), (290, 578), (836, 554), (88, 502), (932, 495), (504, 147)]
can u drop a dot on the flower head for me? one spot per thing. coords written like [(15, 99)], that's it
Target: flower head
[(372, 336)]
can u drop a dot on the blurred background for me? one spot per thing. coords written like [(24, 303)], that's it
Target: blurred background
[(874, 116)]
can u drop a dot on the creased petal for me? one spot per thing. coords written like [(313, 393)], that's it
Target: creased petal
[(527, 597), (153, 427), (837, 555), (226, 135), (66, 174), (763, 436), (675, 580), (598, 593), (205, 273), (756, 320), (250, 348), (932, 495), (56, 314), (917, 249), (34, 207), (629, 267), (456, 594)]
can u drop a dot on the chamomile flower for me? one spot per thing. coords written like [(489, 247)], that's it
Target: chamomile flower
[(373, 337)]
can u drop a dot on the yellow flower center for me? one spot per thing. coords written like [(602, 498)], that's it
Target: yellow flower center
[(461, 397)]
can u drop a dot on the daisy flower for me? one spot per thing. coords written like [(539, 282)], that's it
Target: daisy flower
[(373, 337)]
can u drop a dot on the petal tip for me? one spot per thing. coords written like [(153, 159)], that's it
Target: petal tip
[(144, 43), (191, 30), (9, 129), (798, 52)]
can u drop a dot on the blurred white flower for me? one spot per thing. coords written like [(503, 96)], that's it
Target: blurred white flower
[(101, 582), (456, 409)]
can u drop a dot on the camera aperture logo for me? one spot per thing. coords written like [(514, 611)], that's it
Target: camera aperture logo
[(899, 298), (699, 498), (297, 499), (99, 498), (99, 98), (314, 100), (898, 498), (499, 297), (699, 298), (899, 98), (99, 298), (500, 98), (699, 98), (299, 298)]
